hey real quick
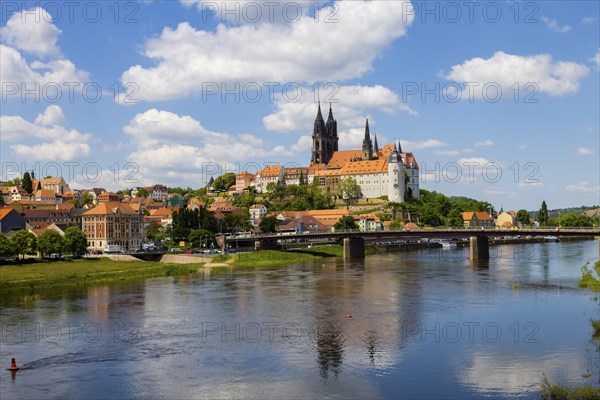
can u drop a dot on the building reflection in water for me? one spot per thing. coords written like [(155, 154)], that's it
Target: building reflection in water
[(359, 309), (330, 350)]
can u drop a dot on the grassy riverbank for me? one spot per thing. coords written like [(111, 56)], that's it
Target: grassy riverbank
[(273, 258), (85, 271), (588, 280)]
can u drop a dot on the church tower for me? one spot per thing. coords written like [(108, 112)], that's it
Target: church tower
[(395, 177), (367, 147), (325, 138)]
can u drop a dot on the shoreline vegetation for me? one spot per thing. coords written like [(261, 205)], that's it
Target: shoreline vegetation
[(551, 391), (85, 271), (42, 274)]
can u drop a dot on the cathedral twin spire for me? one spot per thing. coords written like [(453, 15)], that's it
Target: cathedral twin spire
[(325, 138)]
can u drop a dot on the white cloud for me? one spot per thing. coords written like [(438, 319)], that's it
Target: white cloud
[(596, 59), (153, 127), (64, 145), (33, 32), (522, 146), (56, 150), (502, 69), (410, 146), (349, 108), (23, 33), (530, 184), (174, 147), (496, 191), (553, 25), (584, 187), (588, 20), (584, 151), (53, 115), (448, 152), (187, 59), (484, 143)]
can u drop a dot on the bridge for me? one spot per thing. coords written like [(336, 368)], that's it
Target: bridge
[(354, 240)]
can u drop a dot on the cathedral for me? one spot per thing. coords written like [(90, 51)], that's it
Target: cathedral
[(385, 171)]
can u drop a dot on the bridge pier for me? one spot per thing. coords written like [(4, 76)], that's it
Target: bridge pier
[(354, 247), (479, 248), (266, 244)]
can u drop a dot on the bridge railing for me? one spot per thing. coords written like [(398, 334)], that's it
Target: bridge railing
[(509, 232)]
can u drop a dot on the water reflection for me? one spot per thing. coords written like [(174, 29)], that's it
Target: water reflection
[(223, 334), (330, 350)]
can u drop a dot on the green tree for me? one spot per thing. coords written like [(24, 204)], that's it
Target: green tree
[(236, 223), (571, 219), (23, 242), (345, 223), (6, 249), (268, 224), (75, 241), (142, 192), (523, 217), (87, 199), (50, 242), (455, 219), (152, 230), (201, 238), (13, 182), (543, 217), (27, 184), (224, 182), (350, 189)]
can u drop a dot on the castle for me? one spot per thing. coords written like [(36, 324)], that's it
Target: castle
[(378, 171), (385, 171)]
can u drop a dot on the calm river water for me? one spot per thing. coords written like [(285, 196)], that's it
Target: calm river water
[(425, 324)]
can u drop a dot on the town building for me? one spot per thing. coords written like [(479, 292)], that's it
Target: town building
[(257, 212), (11, 220), (272, 174), (113, 223), (476, 219), (56, 184), (243, 181)]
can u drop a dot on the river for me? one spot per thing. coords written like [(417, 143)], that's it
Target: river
[(421, 324)]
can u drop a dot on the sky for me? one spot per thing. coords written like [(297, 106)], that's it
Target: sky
[(497, 100)]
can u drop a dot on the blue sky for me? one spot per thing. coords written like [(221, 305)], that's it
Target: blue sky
[(497, 100)]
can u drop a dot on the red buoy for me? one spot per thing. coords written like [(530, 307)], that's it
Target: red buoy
[(13, 365)]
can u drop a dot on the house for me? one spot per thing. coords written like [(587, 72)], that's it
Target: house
[(113, 223), (63, 218), (57, 184), (157, 192), (46, 195), (23, 205), (72, 195), (505, 220), (243, 181), (328, 217), (257, 212), (11, 220), (107, 197), (163, 215), (14, 193), (273, 174), (368, 223), (296, 176), (476, 219), (51, 226), (302, 223)]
